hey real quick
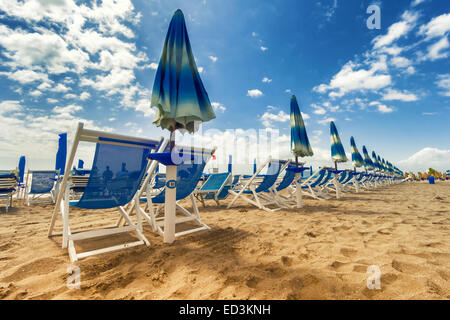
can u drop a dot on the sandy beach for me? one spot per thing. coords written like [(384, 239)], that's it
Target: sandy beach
[(320, 252)]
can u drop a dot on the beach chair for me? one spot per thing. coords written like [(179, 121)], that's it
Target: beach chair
[(189, 174), (120, 163), (213, 187), (8, 187), (312, 186), (255, 192), (43, 182)]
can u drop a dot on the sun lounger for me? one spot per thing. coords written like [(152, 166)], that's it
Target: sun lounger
[(43, 182), (119, 165), (8, 187)]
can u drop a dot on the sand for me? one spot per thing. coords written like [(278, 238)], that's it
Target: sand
[(320, 252)]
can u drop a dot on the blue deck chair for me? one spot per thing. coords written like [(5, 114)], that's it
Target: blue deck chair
[(213, 187), (43, 182), (225, 191), (254, 192), (8, 187), (120, 163), (189, 174), (312, 186)]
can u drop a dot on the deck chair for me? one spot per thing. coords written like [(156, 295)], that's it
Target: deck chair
[(254, 193), (213, 187), (120, 163), (8, 187), (312, 186), (189, 174), (292, 199), (43, 182)]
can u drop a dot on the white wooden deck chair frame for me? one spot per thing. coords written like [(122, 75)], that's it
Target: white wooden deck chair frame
[(29, 198), (257, 199), (69, 236), (155, 218)]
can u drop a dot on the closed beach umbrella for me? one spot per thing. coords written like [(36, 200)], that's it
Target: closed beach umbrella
[(181, 99), (80, 164), (230, 163), (337, 149), (254, 166), (357, 160), (375, 161), (368, 164), (21, 168), (300, 146), (62, 153), (299, 139), (178, 91)]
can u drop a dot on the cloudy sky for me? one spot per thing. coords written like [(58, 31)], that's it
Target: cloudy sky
[(65, 61)]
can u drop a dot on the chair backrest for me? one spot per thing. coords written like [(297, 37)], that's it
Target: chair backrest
[(116, 174), (287, 180), (160, 181), (8, 182), (42, 181), (215, 182), (326, 176), (189, 172), (119, 164), (273, 170)]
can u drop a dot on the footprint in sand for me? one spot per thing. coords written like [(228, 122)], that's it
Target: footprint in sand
[(348, 252), (405, 267), (36, 267)]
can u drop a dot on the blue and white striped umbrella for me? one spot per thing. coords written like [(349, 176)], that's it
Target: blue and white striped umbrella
[(61, 154), (368, 164), (375, 161), (337, 149), (178, 91), (299, 139), (357, 160)]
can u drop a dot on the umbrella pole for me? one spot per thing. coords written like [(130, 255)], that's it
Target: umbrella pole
[(298, 187), (336, 183), (170, 197)]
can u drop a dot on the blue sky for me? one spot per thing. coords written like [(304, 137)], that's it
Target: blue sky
[(66, 61)]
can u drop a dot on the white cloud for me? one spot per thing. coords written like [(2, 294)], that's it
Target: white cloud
[(401, 62), (84, 96), (60, 88), (417, 2), (268, 118), (396, 30), (213, 58), (153, 66), (384, 109), (266, 80), (427, 157), (429, 113), (435, 51), (35, 93), (254, 93), (51, 100), (70, 96), (350, 78), (26, 76), (437, 27), (200, 69), (392, 94), (326, 121), (218, 106), (254, 34), (287, 90), (9, 106), (444, 83), (263, 48)]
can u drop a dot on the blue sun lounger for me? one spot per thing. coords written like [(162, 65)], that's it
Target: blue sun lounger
[(255, 193), (120, 163), (213, 186), (43, 182), (189, 174), (8, 187)]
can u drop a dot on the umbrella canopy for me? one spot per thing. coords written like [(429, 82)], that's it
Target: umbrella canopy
[(380, 164), (80, 164), (375, 161), (21, 168), (299, 139), (178, 91), (62, 153), (357, 160), (368, 164), (254, 166), (337, 149)]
